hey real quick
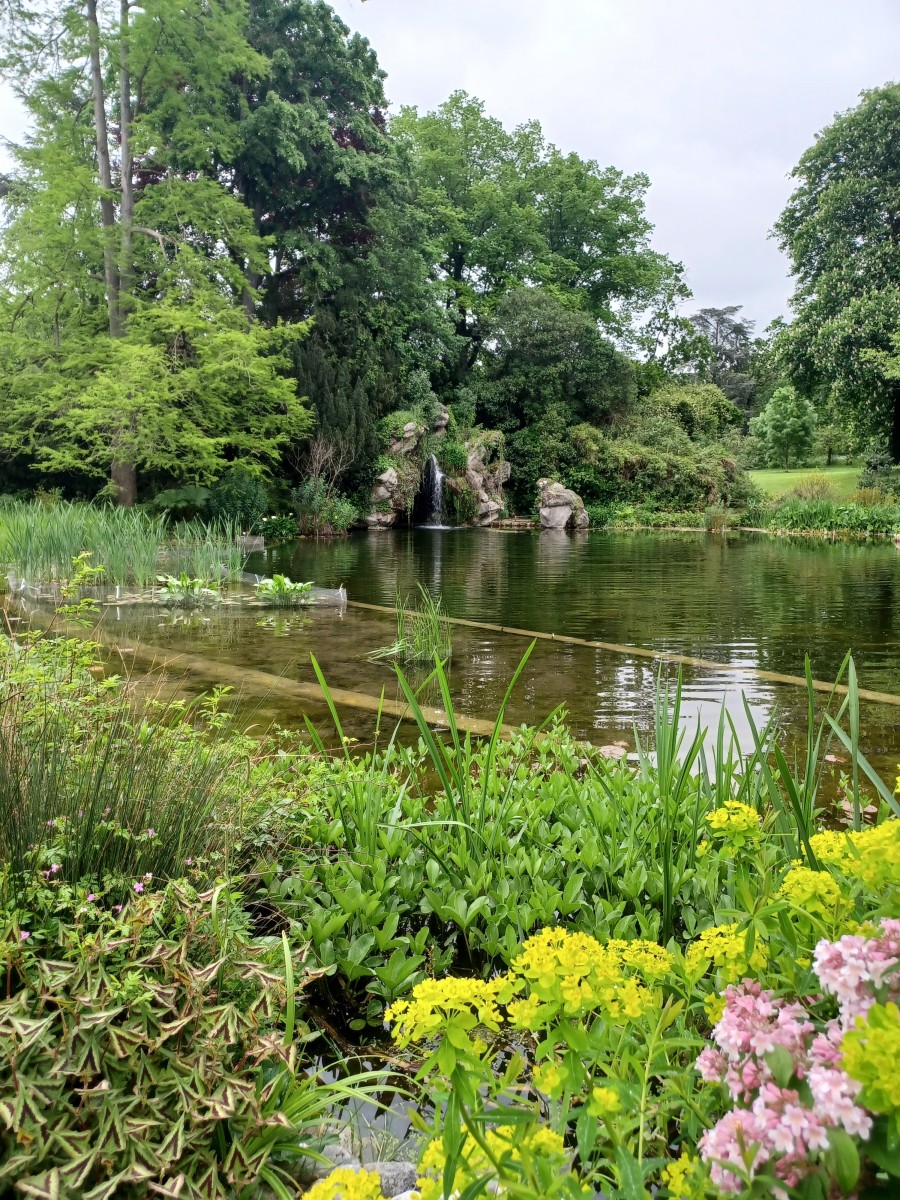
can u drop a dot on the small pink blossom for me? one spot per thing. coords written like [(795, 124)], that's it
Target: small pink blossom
[(138, 887), (117, 908), (91, 896), (151, 833), (24, 935)]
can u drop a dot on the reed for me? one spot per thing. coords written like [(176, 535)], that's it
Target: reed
[(38, 543), (423, 631)]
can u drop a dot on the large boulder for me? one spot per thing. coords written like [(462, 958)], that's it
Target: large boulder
[(560, 507)]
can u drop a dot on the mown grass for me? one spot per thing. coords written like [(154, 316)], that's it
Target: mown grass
[(777, 483)]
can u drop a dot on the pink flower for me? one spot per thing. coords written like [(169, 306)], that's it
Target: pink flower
[(139, 887), (117, 908), (24, 935), (855, 968), (91, 896), (151, 833)]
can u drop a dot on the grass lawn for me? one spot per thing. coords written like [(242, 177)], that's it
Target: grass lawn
[(776, 483)]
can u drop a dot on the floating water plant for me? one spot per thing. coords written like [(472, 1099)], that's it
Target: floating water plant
[(283, 592), (423, 631), (183, 592)]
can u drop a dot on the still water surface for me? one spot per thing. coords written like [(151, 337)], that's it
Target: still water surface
[(747, 601)]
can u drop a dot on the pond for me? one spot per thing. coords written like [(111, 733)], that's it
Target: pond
[(746, 603)]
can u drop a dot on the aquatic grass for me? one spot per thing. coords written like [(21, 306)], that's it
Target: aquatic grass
[(423, 631), (38, 542), (205, 550), (87, 782)]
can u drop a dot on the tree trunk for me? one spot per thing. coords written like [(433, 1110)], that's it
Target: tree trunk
[(126, 209), (122, 473), (107, 208), (895, 426)]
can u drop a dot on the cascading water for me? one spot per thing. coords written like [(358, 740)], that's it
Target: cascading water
[(433, 487)]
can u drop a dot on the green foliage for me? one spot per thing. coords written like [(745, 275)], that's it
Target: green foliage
[(702, 409), (182, 503), (464, 502), (452, 455), (785, 428), (278, 528), (181, 591), (240, 497), (507, 208), (424, 634), (835, 517), (847, 266), (878, 468), (88, 784), (321, 511), (283, 592), (147, 1045), (38, 542)]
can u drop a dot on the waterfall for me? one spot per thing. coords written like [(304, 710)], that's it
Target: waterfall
[(434, 490)]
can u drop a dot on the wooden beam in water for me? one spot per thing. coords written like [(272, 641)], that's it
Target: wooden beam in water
[(659, 655)]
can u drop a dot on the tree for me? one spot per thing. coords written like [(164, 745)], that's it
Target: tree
[(841, 230), (785, 428), (725, 359), (124, 263), (508, 210), (546, 369)]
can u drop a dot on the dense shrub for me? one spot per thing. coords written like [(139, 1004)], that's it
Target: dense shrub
[(702, 410), (321, 511), (239, 497), (832, 516), (452, 456), (878, 469), (815, 486), (182, 503), (275, 529)]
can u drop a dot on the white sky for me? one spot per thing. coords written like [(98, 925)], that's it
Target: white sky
[(715, 101)]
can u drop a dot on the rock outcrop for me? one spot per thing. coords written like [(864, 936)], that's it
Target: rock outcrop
[(476, 494), (560, 507)]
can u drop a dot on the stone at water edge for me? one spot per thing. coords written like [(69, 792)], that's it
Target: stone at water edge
[(560, 507)]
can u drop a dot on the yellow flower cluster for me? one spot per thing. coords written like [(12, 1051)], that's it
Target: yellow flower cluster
[(870, 1053), (814, 892), (575, 974), (871, 855), (724, 947), (604, 1102), (436, 1002), (734, 821), (685, 1178), (507, 1146), (345, 1183)]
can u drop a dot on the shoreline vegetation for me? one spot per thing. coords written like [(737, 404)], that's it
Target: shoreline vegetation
[(561, 948)]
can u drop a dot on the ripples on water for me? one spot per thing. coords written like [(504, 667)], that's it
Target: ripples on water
[(748, 601)]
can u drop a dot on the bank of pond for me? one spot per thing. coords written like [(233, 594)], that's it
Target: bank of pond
[(248, 962)]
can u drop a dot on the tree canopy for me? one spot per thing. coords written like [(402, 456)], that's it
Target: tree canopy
[(841, 231)]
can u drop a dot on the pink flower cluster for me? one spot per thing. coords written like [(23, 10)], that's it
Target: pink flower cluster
[(779, 1131), (858, 970)]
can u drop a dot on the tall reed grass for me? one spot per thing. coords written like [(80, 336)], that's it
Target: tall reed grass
[(38, 543), (99, 787), (423, 631)]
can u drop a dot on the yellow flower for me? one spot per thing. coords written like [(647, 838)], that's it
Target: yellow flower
[(604, 1102), (734, 822), (724, 947), (715, 1006), (346, 1183), (870, 1053), (437, 1003), (507, 1144), (575, 974), (871, 855), (685, 1178), (550, 1078), (813, 892)]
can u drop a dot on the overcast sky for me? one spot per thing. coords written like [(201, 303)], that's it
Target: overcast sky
[(714, 100)]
